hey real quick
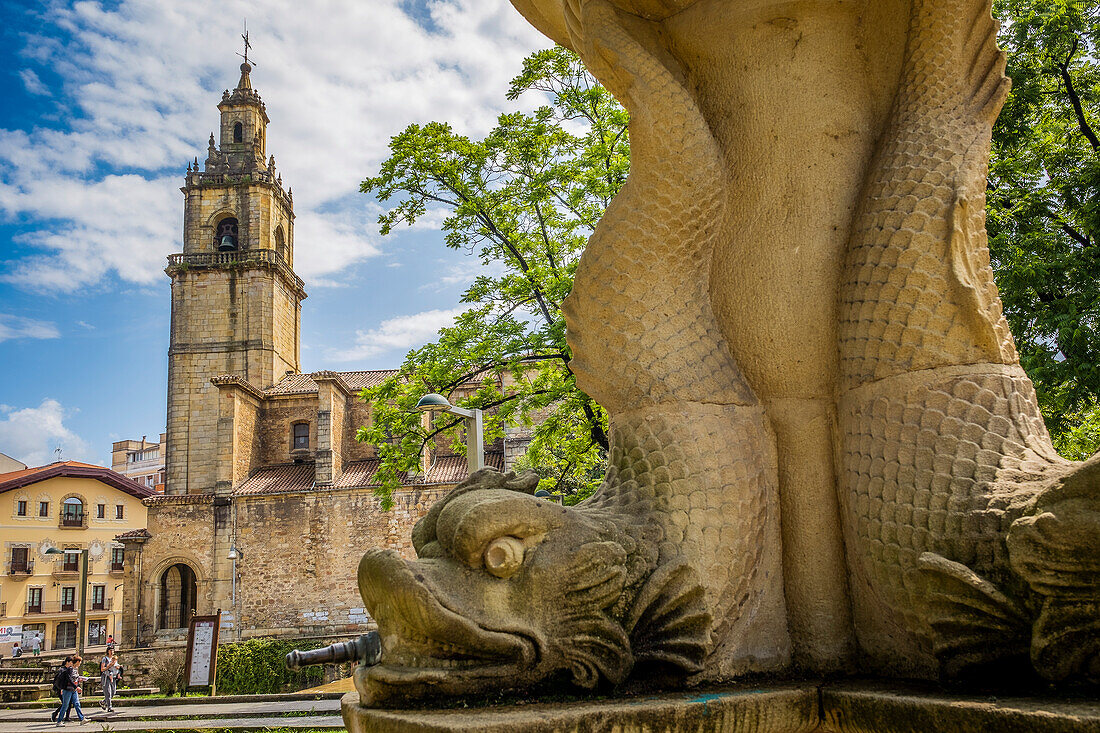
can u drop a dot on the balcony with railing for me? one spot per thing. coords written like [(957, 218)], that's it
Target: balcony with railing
[(46, 608), (243, 256), (73, 520), (19, 568)]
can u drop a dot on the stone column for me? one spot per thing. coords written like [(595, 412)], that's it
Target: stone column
[(332, 395)]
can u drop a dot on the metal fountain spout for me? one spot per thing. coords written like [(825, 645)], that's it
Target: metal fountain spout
[(367, 650)]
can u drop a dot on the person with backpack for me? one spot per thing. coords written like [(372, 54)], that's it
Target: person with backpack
[(70, 690), (60, 679)]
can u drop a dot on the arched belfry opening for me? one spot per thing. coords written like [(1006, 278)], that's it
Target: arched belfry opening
[(225, 235), (280, 244), (238, 133), (178, 596)]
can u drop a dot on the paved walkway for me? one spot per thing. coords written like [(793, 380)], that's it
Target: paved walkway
[(191, 716)]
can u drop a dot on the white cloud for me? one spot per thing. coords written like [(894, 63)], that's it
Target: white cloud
[(142, 83), (15, 327), (31, 434), (400, 333), (33, 84)]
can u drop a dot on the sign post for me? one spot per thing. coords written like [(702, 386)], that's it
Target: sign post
[(202, 652)]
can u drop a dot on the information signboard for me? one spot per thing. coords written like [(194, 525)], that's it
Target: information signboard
[(202, 651)]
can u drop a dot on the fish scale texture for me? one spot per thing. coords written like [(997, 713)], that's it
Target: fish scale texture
[(636, 325), (901, 308), (942, 439), (944, 467), (677, 466), (690, 451)]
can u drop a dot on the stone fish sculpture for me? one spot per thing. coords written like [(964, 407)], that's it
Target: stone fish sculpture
[(824, 452)]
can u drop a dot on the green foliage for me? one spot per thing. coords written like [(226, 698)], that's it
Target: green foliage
[(1044, 203), (522, 201), (258, 666)]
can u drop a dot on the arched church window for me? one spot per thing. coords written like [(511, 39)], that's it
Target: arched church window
[(238, 133), (280, 243), (225, 235)]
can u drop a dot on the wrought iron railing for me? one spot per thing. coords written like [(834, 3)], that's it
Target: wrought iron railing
[(46, 607), (20, 567)]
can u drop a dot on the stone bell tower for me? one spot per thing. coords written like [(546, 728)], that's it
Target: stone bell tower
[(236, 301)]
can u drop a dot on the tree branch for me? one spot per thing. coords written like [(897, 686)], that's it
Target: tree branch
[(1075, 100)]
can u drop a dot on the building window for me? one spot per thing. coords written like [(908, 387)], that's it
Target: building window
[(99, 597), (225, 235), (119, 511), (143, 455), (238, 133), (68, 598), (20, 564), (117, 558), (34, 600), (72, 512), (301, 436), (43, 508), (71, 563), (30, 631), (66, 635), (100, 511), (280, 244), (97, 632), (21, 508)]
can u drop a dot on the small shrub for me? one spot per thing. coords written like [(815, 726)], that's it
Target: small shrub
[(167, 671), (258, 666)]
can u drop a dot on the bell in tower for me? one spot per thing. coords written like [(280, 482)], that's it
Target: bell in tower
[(225, 239)]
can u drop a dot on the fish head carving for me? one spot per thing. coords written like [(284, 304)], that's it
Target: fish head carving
[(510, 590)]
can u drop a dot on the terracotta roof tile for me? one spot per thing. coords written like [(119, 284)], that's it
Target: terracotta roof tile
[(304, 384), (299, 477), (179, 499), (134, 533), (278, 480)]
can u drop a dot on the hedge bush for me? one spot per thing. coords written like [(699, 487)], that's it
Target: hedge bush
[(258, 666)]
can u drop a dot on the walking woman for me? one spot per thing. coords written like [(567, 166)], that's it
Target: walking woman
[(108, 678), (70, 692)]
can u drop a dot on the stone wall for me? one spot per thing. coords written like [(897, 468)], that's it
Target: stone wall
[(275, 426), (302, 553)]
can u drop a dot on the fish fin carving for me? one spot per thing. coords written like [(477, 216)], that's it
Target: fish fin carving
[(669, 622), (973, 279), (986, 78), (974, 625)]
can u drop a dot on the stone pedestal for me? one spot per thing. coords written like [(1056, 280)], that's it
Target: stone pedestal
[(794, 708)]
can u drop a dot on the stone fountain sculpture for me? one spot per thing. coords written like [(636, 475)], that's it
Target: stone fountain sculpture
[(825, 455)]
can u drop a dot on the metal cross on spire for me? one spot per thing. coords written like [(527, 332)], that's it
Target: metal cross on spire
[(247, 45)]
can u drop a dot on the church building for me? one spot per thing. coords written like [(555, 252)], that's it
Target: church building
[(268, 503)]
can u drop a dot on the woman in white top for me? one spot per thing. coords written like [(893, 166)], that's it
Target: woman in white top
[(108, 678)]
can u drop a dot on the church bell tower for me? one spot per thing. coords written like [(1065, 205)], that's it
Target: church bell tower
[(236, 301)]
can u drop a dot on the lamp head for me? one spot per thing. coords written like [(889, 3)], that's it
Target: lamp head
[(54, 551), (433, 403), (234, 554)]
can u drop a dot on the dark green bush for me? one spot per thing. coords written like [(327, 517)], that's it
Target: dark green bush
[(258, 666)]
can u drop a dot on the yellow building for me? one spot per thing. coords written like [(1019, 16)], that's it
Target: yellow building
[(73, 507)]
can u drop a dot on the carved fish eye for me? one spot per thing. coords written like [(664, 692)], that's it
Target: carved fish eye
[(504, 555)]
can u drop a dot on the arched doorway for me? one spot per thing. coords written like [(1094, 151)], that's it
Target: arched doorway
[(178, 594)]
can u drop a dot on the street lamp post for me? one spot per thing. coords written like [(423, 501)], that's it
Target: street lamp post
[(83, 612), (234, 555), (475, 442)]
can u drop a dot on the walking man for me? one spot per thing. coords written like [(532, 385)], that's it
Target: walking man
[(36, 644)]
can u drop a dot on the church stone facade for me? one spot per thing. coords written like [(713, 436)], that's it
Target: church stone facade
[(268, 504)]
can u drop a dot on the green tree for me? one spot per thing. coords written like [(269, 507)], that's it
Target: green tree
[(523, 200), (1044, 206)]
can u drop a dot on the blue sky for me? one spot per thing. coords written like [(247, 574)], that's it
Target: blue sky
[(103, 105)]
